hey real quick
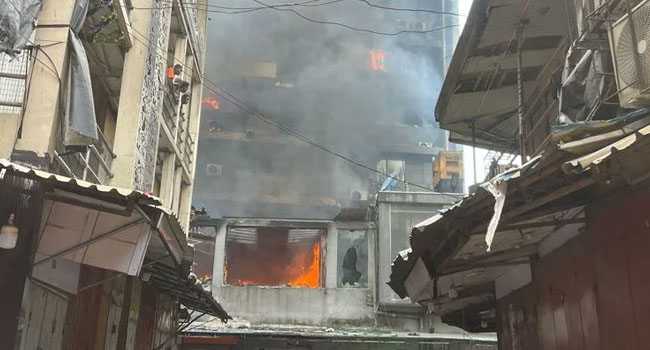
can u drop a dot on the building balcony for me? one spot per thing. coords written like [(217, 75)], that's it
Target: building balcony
[(174, 136), (90, 163), (189, 22)]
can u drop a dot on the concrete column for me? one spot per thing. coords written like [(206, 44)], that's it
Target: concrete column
[(178, 182), (193, 125), (49, 69), (180, 53), (130, 107), (331, 267), (219, 257), (184, 124), (167, 179), (185, 206)]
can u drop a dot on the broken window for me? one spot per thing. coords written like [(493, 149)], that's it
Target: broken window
[(274, 256), (352, 259)]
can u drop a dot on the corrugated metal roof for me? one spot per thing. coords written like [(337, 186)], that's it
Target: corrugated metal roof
[(450, 246), (66, 182), (586, 161), (187, 290), (171, 277)]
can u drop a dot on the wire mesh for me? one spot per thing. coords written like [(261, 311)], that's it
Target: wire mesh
[(12, 81)]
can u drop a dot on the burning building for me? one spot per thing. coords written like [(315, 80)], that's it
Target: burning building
[(321, 143), (366, 97)]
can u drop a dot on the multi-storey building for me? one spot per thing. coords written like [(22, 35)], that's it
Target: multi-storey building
[(295, 239), (99, 138)]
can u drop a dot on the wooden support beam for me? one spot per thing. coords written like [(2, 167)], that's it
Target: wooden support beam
[(453, 270), (500, 257), (537, 224), (562, 192)]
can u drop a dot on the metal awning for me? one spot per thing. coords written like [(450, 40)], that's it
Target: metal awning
[(111, 228), (190, 293), (480, 89), (543, 207)]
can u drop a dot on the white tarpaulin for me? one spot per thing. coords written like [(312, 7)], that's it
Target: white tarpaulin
[(498, 190)]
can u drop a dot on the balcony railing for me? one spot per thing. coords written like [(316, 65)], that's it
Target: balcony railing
[(190, 17), (169, 107), (188, 151), (91, 163), (176, 124)]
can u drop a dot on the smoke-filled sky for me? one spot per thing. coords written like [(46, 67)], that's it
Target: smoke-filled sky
[(355, 93)]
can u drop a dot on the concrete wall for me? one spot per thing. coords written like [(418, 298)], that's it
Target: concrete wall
[(317, 307), (410, 208), (8, 129), (375, 306)]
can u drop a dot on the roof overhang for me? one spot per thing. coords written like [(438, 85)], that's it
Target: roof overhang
[(110, 228), (449, 268), (478, 100)]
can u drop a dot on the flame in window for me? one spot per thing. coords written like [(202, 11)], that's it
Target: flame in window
[(273, 258), (378, 60), (210, 102)]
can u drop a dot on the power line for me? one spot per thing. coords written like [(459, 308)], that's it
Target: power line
[(308, 4), (338, 24), (333, 23), (239, 10), (222, 92), (243, 106), (410, 9)]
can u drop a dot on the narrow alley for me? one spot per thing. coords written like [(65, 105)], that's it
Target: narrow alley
[(324, 174)]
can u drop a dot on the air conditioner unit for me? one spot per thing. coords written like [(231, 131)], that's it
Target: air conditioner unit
[(629, 40), (213, 170)]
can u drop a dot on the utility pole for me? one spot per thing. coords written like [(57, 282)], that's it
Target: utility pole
[(520, 92)]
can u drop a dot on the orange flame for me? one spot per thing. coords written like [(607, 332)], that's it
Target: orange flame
[(308, 275), (378, 60), (210, 102), (303, 272)]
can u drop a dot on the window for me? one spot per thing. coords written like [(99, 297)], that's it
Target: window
[(402, 220), (352, 259), (274, 256)]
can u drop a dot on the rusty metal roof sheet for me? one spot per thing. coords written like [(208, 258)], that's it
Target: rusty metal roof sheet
[(65, 182), (171, 277), (582, 163)]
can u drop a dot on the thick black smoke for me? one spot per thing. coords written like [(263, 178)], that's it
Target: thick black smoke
[(327, 86)]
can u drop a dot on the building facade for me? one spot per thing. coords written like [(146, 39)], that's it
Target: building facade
[(366, 97), (99, 139), (294, 237)]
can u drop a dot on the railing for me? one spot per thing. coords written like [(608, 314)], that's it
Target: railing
[(91, 163), (169, 107), (190, 16), (176, 123), (188, 151)]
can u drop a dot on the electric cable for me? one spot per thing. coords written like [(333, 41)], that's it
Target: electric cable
[(308, 4), (222, 92), (241, 105), (239, 10), (338, 24)]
